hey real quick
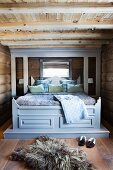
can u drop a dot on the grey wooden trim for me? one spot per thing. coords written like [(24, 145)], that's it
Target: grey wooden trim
[(98, 113), (31, 133), (41, 53), (39, 113), (86, 75), (54, 113), (25, 69), (13, 75), (98, 66)]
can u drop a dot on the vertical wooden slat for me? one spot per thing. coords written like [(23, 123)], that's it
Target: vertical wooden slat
[(13, 76), (86, 74), (25, 70), (98, 66)]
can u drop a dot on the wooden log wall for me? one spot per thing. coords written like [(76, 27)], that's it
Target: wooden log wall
[(107, 83), (5, 84)]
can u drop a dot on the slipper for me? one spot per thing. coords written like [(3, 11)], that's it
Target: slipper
[(82, 141), (90, 143)]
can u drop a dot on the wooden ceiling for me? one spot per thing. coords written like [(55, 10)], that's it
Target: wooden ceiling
[(56, 23)]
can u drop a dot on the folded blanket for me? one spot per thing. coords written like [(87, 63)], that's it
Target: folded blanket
[(73, 107)]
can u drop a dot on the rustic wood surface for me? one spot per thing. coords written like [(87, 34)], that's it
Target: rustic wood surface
[(107, 83), (101, 155), (56, 23)]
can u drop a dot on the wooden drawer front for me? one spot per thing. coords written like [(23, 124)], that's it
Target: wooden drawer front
[(81, 123), (39, 112), (36, 122)]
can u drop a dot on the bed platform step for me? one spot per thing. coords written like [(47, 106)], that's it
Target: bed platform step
[(32, 133)]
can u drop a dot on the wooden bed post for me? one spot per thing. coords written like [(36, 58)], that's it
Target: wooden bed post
[(13, 75), (25, 69), (86, 75)]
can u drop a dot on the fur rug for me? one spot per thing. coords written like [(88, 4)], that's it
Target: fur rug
[(51, 154)]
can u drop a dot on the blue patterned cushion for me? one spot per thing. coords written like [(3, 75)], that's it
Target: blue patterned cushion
[(66, 82)]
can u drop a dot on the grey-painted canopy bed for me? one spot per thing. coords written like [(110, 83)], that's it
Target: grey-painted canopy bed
[(33, 121)]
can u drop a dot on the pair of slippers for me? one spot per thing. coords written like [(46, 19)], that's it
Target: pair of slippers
[(90, 143)]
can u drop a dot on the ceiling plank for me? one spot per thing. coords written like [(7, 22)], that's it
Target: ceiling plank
[(23, 35), (54, 42), (53, 26), (57, 46), (23, 8)]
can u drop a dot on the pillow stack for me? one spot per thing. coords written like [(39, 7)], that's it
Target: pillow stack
[(45, 86)]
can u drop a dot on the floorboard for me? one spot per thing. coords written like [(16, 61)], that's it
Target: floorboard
[(4, 127), (101, 155)]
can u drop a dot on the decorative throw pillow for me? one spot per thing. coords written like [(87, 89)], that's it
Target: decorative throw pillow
[(74, 88), (45, 84), (36, 89), (55, 88), (65, 82)]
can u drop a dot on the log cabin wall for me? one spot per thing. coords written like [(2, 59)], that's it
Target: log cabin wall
[(5, 84), (107, 83)]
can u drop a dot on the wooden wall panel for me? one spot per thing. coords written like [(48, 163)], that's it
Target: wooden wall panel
[(107, 82), (77, 68), (34, 68), (5, 79), (5, 84), (92, 74)]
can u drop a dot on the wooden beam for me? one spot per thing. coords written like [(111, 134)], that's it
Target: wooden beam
[(54, 42), (56, 46), (81, 35), (55, 8), (53, 26)]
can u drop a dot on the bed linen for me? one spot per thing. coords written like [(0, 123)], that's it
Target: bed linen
[(73, 107), (49, 99)]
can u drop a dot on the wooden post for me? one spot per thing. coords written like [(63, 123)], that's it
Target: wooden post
[(25, 73), (86, 75), (13, 75)]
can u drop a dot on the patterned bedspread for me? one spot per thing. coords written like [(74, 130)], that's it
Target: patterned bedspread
[(49, 100)]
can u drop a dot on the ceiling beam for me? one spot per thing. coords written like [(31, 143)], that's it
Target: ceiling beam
[(53, 26), (54, 42), (81, 35), (12, 8), (56, 46)]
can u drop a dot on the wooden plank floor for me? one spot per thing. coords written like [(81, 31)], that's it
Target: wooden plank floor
[(101, 155)]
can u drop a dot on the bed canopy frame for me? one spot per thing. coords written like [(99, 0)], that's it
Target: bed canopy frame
[(33, 121), (45, 53)]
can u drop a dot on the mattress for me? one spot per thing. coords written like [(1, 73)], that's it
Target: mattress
[(49, 99)]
